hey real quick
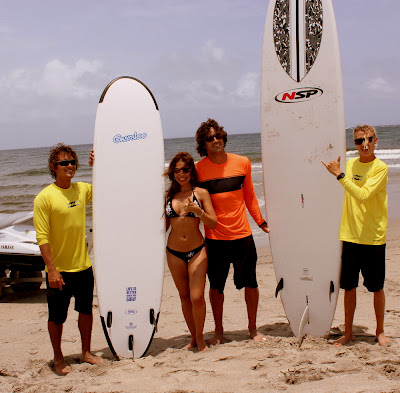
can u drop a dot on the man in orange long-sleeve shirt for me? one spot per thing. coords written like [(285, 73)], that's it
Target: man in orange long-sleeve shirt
[(227, 177)]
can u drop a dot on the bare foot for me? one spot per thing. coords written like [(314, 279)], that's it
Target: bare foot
[(342, 340), (192, 344), (60, 367), (382, 339), (257, 336), (89, 358), (216, 340), (201, 345)]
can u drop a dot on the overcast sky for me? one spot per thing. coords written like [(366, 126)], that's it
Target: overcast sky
[(199, 58)]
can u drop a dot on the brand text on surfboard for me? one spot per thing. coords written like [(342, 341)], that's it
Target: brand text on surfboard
[(299, 95), (130, 294), (131, 137)]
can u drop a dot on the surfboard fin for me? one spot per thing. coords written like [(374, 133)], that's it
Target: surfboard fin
[(109, 319), (130, 345), (279, 287), (331, 290), (153, 319), (305, 319)]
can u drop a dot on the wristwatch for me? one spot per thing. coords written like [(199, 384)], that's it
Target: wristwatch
[(341, 176)]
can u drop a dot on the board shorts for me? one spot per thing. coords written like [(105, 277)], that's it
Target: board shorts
[(241, 253), (77, 284), (369, 259)]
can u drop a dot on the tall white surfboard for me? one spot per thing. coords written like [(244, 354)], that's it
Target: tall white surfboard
[(302, 123), (128, 222)]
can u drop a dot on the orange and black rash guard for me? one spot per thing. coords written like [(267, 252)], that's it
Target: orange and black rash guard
[(231, 189)]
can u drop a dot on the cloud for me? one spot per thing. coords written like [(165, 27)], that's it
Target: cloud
[(211, 50), (195, 93), (55, 80), (18, 80), (59, 79), (380, 85), (248, 86), (209, 78)]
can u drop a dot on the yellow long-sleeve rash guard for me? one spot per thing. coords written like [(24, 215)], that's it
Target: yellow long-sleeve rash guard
[(59, 216), (365, 216)]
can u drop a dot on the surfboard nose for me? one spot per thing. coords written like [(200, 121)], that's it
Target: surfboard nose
[(297, 35)]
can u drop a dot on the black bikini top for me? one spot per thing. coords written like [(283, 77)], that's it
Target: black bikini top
[(171, 213)]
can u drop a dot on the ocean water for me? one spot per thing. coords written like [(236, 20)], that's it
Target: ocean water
[(24, 172)]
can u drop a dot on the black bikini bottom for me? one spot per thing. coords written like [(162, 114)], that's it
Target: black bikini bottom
[(186, 256)]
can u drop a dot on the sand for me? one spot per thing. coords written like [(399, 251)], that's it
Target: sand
[(239, 365)]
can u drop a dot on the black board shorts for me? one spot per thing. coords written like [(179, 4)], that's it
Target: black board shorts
[(241, 253), (364, 258), (77, 284)]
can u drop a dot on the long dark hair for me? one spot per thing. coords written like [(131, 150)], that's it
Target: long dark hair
[(189, 162)]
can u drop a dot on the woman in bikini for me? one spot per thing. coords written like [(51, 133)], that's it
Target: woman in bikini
[(187, 205)]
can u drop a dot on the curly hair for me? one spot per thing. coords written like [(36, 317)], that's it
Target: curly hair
[(202, 132), (365, 128), (53, 158), (189, 162)]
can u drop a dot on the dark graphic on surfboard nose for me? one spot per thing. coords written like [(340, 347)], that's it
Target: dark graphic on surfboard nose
[(297, 35)]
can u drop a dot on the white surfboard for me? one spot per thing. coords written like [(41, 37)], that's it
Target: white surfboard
[(128, 222), (302, 123)]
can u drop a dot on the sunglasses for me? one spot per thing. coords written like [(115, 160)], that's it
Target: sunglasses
[(360, 141), (210, 138), (185, 169), (66, 162)]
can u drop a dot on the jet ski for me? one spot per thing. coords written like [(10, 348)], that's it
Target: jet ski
[(21, 263)]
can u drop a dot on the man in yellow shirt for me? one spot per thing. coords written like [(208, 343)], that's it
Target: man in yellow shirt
[(363, 228), (60, 222)]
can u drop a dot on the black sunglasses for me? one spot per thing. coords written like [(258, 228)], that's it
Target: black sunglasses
[(210, 138), (185, 169), (66, 162), (359, 141)]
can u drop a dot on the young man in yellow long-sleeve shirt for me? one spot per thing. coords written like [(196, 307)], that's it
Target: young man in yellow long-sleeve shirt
[(363, 228), (59, 219)]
